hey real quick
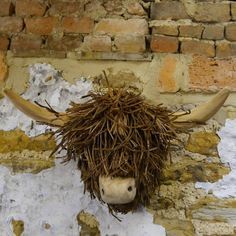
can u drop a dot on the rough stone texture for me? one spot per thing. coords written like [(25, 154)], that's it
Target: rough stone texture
[(193, 31), (213, 32), (135, 8), (225, 49), (26, 42), (97, 43), (233, 10), (6, 8), (10, 25), (67, 8), (198, 47), (121, 26), (30, 8), (212, 74), (130, 43), (170, 30), (3, 68), (77, 25), (168, 10), (41, 25), (204, 143), (167, 82), (212, 12), (4, 43), (230, 32), (164, 44), (66, 43)]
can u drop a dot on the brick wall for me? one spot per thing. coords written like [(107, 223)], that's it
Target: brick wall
[(119, 29)]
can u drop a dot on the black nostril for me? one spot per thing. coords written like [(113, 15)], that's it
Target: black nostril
[(103, 191), (129, 188)]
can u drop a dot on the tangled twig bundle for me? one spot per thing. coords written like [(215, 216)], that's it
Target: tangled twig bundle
[(116, 133)]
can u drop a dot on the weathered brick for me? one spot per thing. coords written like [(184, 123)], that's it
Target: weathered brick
[(30, 8), (4, 43), (166, 77), (230, 32), (40, 53), (114, 7), (41, 25), (212, 74), (3, 68), (130, 43), (171, 30), (77, 25), (213, 32), (11, 24), (26, 42), (168, 10), (193, 31), (212, 12), (198, 47), (164, 44), (233, 10), (66, 43), (135, 8), (97, 43), (6, 8), (95, 10), (121, 26), (225, 49), (67, 8)]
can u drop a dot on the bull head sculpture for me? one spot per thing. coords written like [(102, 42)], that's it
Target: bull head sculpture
[(119, 140)]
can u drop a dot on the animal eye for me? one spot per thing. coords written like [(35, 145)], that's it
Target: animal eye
[(129, 188), (103, 191)]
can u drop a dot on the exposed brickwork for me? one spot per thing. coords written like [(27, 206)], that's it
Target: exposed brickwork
[(4, 43), (121, 26), (40, 25), (198, 47), (97, 43), (26, 42), (164, 44), (77, 25), (30, 8), (126, 27), (130, 43), (3, 68), (6, 8)]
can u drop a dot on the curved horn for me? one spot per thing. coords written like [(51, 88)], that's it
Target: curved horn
[(34, 111), (203, 112)]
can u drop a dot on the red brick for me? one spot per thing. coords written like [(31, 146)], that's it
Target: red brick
[(230, 32), (212, 74), (97, 43), (192, 31), (168, 10), (3, 68), (166, 78), (164, 44), (121, 26), (6, 8), (225, 49), (41, 25), (30, 8), (67, 43), (26, 42), (11, 24), (66, 8), (77, 25), (130, 43), (200, 47), (4, 43)]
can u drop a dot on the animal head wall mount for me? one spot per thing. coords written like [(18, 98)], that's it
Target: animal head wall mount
[(120, 141)]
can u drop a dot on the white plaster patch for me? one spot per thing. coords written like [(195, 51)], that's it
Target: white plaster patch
[(55, 196), (225, 187)]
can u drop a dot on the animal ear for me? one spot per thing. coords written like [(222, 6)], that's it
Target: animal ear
[(34, 111), (203, 112)]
